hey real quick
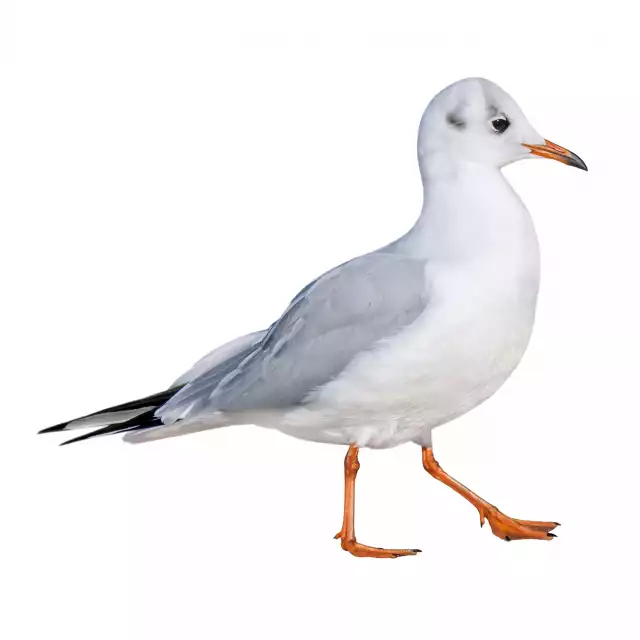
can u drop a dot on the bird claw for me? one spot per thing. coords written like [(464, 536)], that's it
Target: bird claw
[(510, 529), (365, 551)]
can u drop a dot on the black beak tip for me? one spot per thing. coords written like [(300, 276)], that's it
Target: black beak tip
[(578, 162)]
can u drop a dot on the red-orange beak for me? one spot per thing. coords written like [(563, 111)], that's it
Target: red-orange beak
[(556, 152)]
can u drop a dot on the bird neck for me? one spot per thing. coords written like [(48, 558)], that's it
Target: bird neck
[(468, 211)]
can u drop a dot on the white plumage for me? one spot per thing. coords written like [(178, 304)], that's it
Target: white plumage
[(383, 349), (476, 245)]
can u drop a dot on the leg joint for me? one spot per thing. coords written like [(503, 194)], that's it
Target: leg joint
[(429, 462), (351, 464)]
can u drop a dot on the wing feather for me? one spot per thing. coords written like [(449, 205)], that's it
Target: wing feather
[(327, 324)]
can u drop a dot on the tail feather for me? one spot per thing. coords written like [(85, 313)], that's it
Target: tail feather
[(155, 400)]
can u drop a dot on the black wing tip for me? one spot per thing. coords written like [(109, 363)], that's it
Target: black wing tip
[(84, 436), (58, 427), (145, 420), (155, 399)]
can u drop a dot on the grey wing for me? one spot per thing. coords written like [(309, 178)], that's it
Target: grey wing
[(327, 324), (219, 356)]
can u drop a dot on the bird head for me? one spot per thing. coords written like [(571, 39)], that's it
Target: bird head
[(475, 121)]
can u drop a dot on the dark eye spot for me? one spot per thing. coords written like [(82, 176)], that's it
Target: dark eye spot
[(500, 124), (456, 121)]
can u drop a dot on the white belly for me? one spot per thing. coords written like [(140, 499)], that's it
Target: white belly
[(468, 341), (482, 273)]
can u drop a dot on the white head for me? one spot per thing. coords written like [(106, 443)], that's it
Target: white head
[(475, 121)]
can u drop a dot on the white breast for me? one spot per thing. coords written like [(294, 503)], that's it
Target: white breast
[(482, 275)]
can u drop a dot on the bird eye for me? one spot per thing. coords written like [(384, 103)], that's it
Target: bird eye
[(500, 124)]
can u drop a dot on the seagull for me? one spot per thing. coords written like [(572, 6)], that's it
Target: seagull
[(382, 349)]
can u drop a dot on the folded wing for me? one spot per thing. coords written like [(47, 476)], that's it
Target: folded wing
[(327, 324)]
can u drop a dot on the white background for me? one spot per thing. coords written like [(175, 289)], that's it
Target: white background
[(171, 173)]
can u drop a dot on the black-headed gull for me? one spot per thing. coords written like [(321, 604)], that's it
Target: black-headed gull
[(384, 348)]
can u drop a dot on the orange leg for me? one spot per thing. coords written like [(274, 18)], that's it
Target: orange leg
[(502, 526), (347, 533)]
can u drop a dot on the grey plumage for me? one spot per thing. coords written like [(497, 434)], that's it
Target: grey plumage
[(327, 324), (349, 361), (219, 356)]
